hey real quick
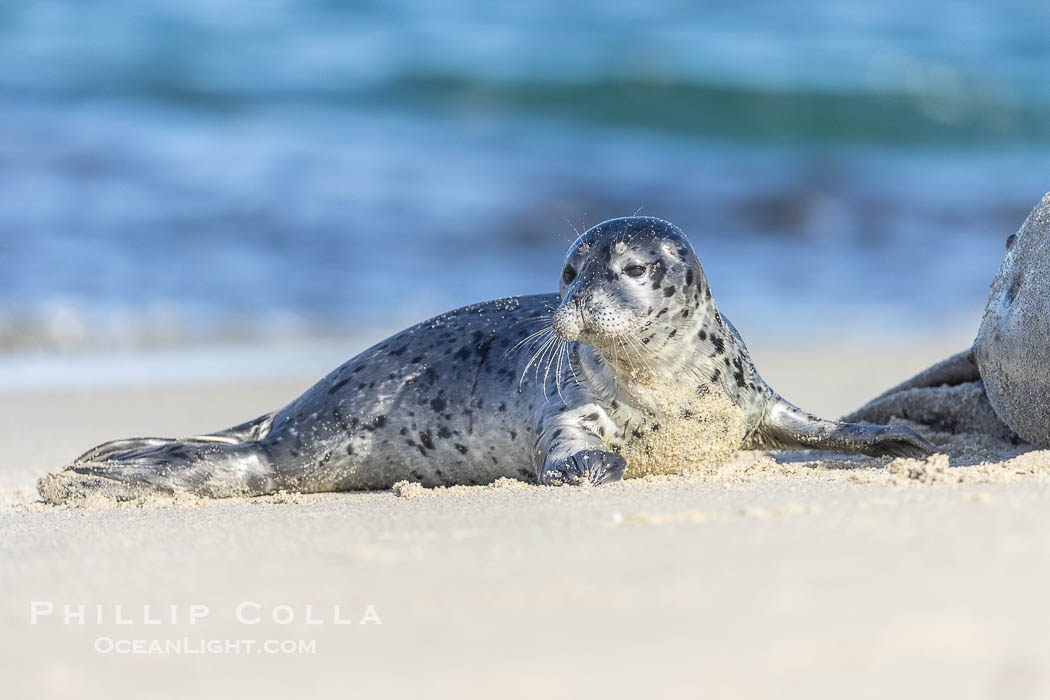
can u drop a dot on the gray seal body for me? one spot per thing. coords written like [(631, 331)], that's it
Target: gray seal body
[(630, 368), (1001, 385)]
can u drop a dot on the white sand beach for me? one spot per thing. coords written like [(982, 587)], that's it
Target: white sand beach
[(779, 575)]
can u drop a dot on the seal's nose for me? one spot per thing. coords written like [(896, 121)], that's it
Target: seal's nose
[(568, 320)]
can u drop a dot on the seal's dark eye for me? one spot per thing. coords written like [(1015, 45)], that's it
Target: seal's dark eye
[(634, 270), (568, 274)]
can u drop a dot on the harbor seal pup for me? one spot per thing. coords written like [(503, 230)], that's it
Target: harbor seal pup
[(630, 368), (1001, 385)]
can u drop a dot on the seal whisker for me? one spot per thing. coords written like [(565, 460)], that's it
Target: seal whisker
[(537, 339), (530, 341), (630, 349), (540, 355), (547, 367), (551, 350), (575, 230), (535, 355), (636, 345), (529, 337), (538, 346), (573, 227), (558, 371), (627, 358), (531, 319), (619, 347), (532, 336)]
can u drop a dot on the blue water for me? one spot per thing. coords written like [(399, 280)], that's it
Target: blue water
[(175, 172)]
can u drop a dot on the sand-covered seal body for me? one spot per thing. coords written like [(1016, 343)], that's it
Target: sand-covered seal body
[(630, 368), (1001, 385)]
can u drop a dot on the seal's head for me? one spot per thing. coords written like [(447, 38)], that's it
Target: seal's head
[(635, 277)]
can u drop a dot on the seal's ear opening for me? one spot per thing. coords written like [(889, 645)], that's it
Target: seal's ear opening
[(1011, 240)]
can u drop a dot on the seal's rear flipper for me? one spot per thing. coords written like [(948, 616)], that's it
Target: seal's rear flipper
[(786, 426), (103, 451), (963, 408), (127, 469), (239, 434), (949, 396), (957, 369)]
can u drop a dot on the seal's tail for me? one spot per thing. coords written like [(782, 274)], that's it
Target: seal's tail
[(227, 463)]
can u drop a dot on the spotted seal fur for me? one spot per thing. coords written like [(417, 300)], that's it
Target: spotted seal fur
[(630, 368)]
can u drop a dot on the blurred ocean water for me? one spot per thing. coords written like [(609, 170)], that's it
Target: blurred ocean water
[(204, 170)]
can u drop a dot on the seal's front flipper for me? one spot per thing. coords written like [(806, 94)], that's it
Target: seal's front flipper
[(595, 467), (785, 426), (575, 452), (203, 468)]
